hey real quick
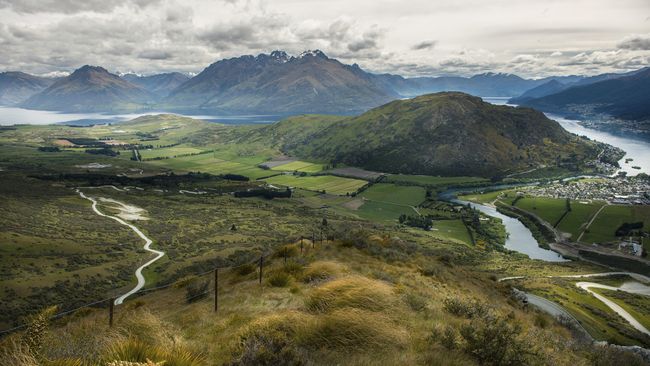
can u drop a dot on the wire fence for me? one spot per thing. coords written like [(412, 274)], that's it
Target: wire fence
[(187, 300)]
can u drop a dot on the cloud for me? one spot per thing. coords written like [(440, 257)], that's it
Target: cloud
[(70, 6), (155, 55), (636, 42), (424, 45), (148, 36)]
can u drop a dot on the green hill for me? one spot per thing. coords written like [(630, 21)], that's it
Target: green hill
[(435, 134)]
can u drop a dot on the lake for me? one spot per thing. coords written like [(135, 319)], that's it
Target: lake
[(11, 115)]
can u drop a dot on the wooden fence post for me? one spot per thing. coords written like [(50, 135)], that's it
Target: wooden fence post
[(111, 308), (216, 289), (261, 267), (313, 240)]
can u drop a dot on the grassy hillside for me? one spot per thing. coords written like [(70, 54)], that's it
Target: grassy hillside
[(345, 302), (436, 134)]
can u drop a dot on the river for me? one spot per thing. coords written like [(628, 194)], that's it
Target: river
[(519, 239)]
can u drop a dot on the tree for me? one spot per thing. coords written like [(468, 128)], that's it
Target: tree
[(233, 228)]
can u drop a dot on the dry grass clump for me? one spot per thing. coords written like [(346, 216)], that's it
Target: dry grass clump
[(143, 353), (321, 271), (287, 251), (354, 328), (351, 292), (279, 279), (289, 338)]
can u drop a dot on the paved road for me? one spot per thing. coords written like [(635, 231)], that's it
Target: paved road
[(639, 288), (612, 305), (147, 244)]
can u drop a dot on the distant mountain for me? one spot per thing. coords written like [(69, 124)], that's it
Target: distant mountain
[(485, 85), (159, 84), (278, 83), (16, 87), (88, 89), (558, 84), (626, 97), (443, 133), (548, 88)]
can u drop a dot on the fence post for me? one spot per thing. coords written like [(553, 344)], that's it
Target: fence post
[(261, 267), (111, 308), (313, 240), (216, 289)]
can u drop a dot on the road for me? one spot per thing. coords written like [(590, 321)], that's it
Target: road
[(555, 309), (147, 244)]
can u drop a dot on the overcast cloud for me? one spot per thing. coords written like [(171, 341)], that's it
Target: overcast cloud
[(418, 37)]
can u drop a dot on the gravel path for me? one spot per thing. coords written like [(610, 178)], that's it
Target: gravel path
[(147, 244)]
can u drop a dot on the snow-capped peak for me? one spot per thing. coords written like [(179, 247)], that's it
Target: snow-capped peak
[(280, 56), (314, 53)]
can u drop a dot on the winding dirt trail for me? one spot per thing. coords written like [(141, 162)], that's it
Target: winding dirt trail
[(148, 242)]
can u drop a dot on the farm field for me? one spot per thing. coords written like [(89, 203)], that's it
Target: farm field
[(574, 222), (328, 183), (299, 166), (168, 152), (392, 193), (379, 211), (549, 209), (451, 229), (487, 197), (427, 180), (210, 163), (604, 227)]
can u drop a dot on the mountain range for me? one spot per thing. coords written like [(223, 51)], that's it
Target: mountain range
[(160, 84), (277, 83), (90, 88), (625, 96), (17, 86), (446, 133)]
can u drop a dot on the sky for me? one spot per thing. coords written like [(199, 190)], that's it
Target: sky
[(529, 38)]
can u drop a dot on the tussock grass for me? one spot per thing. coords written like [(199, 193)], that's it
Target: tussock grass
[(322, 270), (134, 350), (354, 292), (354, 328)]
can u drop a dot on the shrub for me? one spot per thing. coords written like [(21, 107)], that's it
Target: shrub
[(246, 269), (466, 308), (270, 341), (293, 268), (279, 279), (495, 341), (354, 292), (429, 271), (415, 301), (448, 337), (196, 290), (185, 281), (612, 355), (36, 329), (287, 251)]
